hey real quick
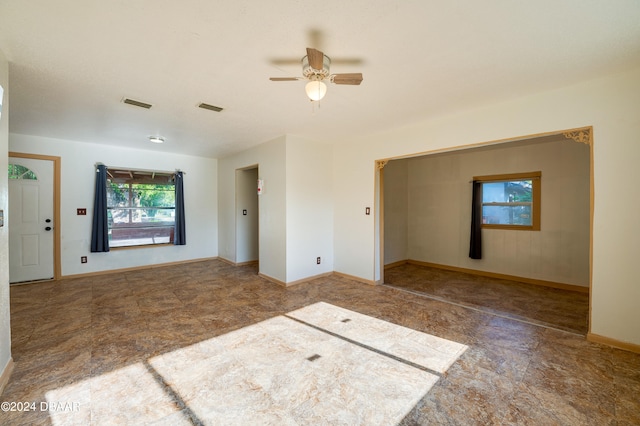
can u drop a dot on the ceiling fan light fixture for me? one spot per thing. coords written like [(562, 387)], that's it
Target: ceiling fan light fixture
[(315, 90), (316, 69), (156, 139)]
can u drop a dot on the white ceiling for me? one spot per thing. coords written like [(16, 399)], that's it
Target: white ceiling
[(73, 61)]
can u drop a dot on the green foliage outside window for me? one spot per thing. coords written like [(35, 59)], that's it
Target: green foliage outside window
[(16, 171), (140, 213)]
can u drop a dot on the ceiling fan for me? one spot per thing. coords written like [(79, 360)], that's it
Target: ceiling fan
[(315, 68)]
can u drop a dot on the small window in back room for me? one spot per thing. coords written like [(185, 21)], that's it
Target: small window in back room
[(511, 201), (140, 208)]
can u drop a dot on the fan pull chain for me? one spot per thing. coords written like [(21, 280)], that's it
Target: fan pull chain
[(313, 107)]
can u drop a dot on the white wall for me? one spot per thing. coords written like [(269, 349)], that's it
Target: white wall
[(270, 158), (609, 104), (396, 216), (353, 231), (439, 210), (77, 191), (296, 222), (309, 208), (5, 326)]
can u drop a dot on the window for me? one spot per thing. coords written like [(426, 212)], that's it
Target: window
[(140, 207), (17, 171), (511, 201)]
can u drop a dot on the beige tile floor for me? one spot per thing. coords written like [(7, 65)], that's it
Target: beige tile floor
[(140, 348)]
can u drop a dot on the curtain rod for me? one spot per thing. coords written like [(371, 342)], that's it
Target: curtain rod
[(141, 170)]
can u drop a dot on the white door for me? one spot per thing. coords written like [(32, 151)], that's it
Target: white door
[(30, 220)]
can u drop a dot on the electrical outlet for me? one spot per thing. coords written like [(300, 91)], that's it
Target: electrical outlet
[(318, 260), (83, 259), (82, 212)]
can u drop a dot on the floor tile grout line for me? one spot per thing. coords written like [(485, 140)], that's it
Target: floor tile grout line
[(367, 347), (182, 405), (427, 296)]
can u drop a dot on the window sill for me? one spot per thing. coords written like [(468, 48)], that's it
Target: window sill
[(511, 227), (140, 246)]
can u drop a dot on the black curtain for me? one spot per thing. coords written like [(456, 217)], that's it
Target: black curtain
[(179, 236), (475, 246), (100, 229)]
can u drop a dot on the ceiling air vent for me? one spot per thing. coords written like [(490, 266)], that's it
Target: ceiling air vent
[(210, 107), (136, 103)]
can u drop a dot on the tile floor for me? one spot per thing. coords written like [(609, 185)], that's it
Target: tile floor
[(562, 309), (158, 346)]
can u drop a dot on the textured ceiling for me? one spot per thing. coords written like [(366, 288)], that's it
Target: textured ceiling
[(72, 62)]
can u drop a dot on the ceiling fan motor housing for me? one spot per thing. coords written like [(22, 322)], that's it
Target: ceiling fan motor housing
[(314, 74)]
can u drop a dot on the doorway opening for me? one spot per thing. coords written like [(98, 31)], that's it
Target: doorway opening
[(425, 224), (247, 216)]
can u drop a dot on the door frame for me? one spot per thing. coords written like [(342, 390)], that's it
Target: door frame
[(57, 268)]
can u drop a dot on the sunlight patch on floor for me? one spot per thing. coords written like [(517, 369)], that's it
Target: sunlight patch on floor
[(128, 394), (318, 364), (431, 352)]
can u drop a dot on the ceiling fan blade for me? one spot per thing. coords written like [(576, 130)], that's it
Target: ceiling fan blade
[(316, 58), (284, 78), (348, 78)]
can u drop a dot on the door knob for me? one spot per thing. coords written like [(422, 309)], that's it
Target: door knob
[(48, 228), (48, 220)]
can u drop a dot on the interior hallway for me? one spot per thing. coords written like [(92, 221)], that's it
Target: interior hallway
[(95, 340)]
